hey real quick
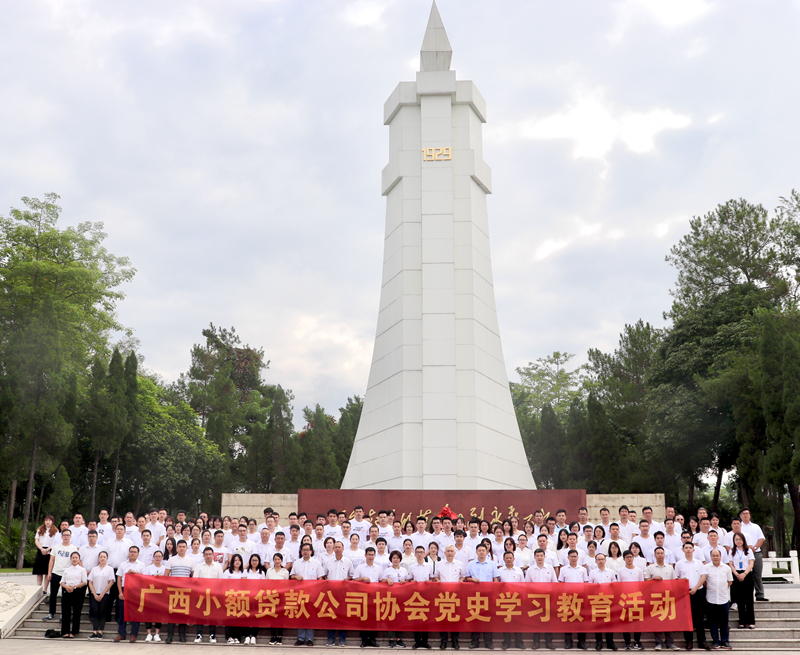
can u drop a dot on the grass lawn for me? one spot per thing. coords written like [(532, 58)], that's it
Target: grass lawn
[(24, 569)]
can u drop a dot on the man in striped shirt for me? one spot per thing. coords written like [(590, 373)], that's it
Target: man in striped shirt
[(179, 566)]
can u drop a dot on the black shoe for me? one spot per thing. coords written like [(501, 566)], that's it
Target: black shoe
[(638, 645), (301, 642), (182, 639), (309, 642), (598, 645), (689, 645), (519, 645), (473, 646), (612, 646), (583, 646), (456, 645), (168, 640), (762, 600)]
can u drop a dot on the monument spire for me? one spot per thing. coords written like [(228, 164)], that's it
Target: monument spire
[(436, 53), (437, 410)]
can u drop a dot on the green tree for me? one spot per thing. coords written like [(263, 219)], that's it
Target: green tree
[(737, 244), (320, 470), (346, 429), (547, 382), (33, 362), (551, 451)]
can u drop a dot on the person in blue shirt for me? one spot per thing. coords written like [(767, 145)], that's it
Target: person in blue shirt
[(481, 569)]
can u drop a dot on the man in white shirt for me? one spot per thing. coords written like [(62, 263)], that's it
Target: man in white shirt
[(462, 552), (338, 568), (627, 530), (157, 530), (130, 526), (281, 547), (661, 570), (395, 542), (646, 541), (669, 558), (550, 555), (293, 542), (208, 568), (701, 538), (451, 570), (672, 537), (130, 566), (541, 571), (147, 548), (713, 543), (631, 573), (613, 535), (602, 575), (243, 546), (105, 530), (90, 552), (510, 573), (647, 514), (263, 547), (473, 538), (605, 520), (268, 521), (695, 572), (719, 578), (59, 562), (117, 549), (572, 572), (755, 538), (358, 525), (368, 572), (384, 527), (480, 570), (421, 537), (332, 529), (583, 544), (79, 530), (583, 518), (572, 544), (318, 541)]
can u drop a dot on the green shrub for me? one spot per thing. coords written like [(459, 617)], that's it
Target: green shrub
[(9, 544)]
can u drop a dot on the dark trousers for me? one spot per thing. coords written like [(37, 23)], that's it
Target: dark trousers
[(121, 620), (212, 631), (637, 637), (150, 626), (448, 636), (97, 612), (181, 629), (758, 567), (333, 634), (55, 585), (548, 639), (251, 632), (517, 639), (598, 637), (368, 637), (742, 595), (718, 615), (698, 600), (487, 638), (568, 639), (113, 607), (663, 638), (420, 639), (276, 633), (71, 606)]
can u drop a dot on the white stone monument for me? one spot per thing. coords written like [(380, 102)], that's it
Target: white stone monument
[(437, 411)]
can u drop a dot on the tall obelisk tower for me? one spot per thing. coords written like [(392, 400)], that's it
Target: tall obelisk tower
[(437, 412)]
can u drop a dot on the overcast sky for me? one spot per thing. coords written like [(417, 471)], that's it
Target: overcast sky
[(234, 151)]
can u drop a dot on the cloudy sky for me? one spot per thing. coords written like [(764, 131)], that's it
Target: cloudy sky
[(234, 150)]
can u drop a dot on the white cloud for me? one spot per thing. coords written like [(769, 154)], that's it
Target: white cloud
[(594, 129), (367, 13)]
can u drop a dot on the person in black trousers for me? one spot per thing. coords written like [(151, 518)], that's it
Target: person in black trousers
[(73, 592)]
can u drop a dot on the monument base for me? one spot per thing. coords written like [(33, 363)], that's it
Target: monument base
[(492, 505)]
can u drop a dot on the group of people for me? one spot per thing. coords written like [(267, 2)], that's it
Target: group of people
[(720, 565)]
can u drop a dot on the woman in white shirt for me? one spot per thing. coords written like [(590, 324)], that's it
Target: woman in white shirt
[(327, 555), (395, 574), (354, 553), (277, 572), (158, 570), (408, 554), (235, 571), (195, 554), (591, 551), (252, 535), (254, 572), (100, 579), (44, 543), (742, 562), (433, 557), (73, 592), (524, 553), (614, 559), (638, 560)]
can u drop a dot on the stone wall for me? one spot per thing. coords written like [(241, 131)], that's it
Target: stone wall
[(595, 502), (252, 505)]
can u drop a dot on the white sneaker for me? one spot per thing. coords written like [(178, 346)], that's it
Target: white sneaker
[(249, 640), (658, 647), (156, 637), (212, 639), (198, 639), (149, 638), (230, 640)]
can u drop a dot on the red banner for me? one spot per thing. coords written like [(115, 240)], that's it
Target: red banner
[(423, 607)]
